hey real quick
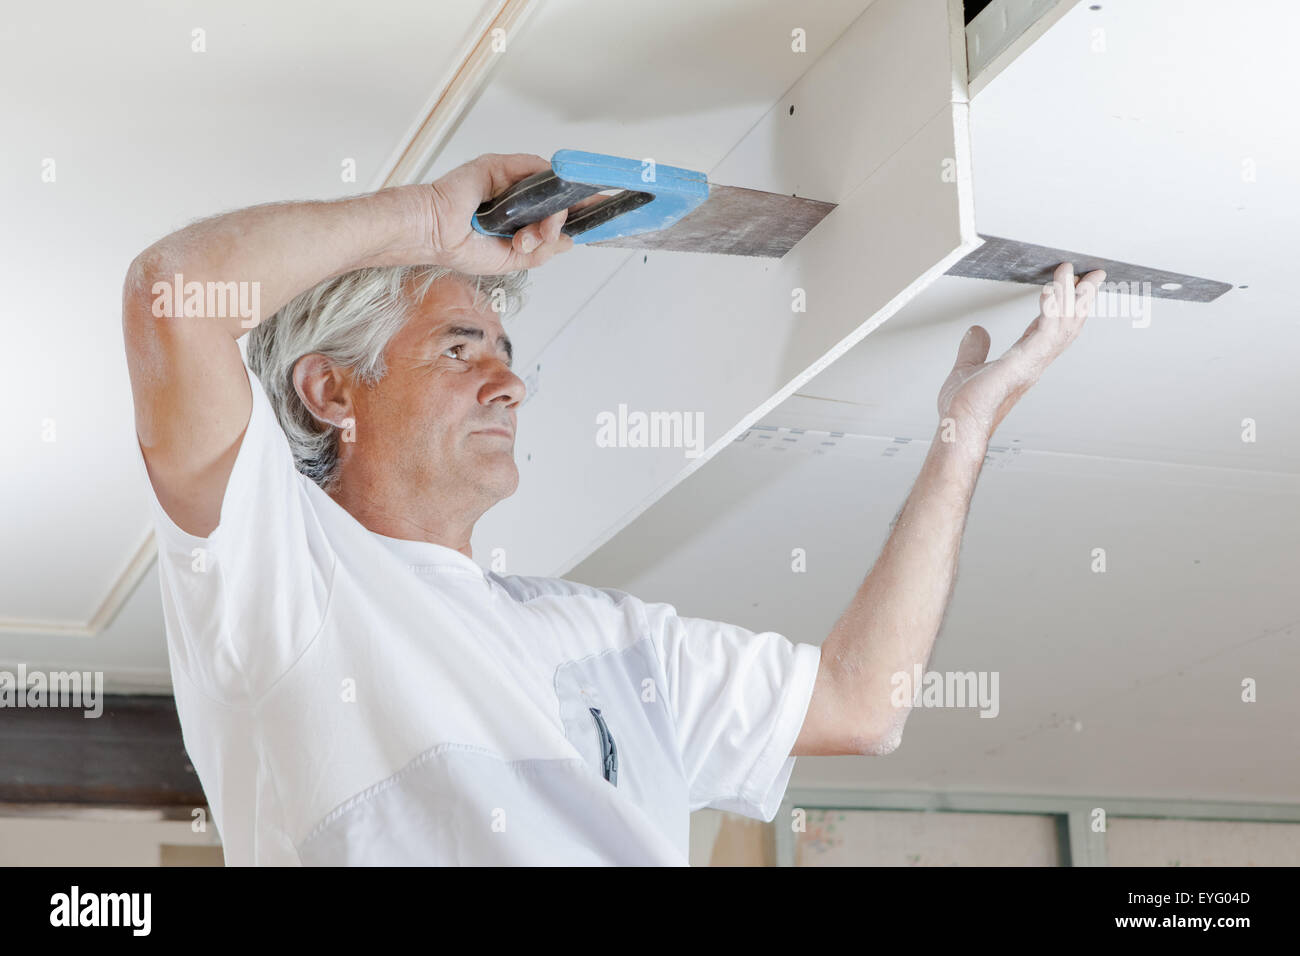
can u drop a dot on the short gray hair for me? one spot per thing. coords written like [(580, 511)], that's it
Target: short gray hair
[(350, 319)]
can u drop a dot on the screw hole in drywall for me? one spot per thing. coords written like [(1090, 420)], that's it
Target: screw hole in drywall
[(1243, 287), (645, 258), (792, 109), (1095, 6)]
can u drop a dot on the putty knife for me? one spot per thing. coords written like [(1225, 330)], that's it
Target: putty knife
[(660, 207), (1009, 261)]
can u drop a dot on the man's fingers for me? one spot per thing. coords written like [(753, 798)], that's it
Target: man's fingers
[(506, 169), (1049, 301), (525, 240), (528, 239), (546, 252), (533, 237), (552, 225), (1086, 292), (1094, 278), (1064, 282), (487, 177), (1083, 299), (530, 252), (1060, 297)]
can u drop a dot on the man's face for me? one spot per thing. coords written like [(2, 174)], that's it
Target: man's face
[(443, 418)]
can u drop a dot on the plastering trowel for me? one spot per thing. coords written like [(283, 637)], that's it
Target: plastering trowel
[(660, 207)]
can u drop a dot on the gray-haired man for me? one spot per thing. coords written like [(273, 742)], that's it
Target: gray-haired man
[(353, 688)]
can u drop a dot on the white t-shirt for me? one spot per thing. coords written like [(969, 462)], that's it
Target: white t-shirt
[(350, 698)]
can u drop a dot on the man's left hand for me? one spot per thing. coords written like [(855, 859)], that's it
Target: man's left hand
[(979, 393)]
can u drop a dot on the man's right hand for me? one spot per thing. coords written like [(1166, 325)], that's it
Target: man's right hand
[(457, 196)]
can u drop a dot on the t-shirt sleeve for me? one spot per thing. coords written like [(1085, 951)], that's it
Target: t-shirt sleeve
[(738, 700), (242, 604)]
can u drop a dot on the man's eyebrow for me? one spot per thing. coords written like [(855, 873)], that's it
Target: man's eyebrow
[(472, 332)]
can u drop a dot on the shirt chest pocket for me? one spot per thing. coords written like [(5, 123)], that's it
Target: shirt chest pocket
[(614, 715)]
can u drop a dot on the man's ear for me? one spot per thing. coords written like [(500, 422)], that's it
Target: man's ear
[(325, 388)]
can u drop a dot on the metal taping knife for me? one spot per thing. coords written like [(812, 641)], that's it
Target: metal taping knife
[(1009, 261), (660, 207)]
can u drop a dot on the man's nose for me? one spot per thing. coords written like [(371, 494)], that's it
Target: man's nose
[(503, 381)]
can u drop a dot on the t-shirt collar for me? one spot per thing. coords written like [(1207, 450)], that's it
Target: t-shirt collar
[(426, 553)]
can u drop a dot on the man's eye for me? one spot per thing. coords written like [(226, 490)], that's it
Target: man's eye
[(454, 348)]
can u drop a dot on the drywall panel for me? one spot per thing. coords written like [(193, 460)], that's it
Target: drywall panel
[(718, 341)]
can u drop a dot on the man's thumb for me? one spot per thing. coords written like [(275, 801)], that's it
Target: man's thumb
[(974, 348)]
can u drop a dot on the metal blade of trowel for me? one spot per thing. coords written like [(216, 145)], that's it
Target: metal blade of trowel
[(735, 221), (654, 206), (1010, 261)]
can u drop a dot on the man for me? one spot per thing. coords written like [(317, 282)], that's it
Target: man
[(352, 686)]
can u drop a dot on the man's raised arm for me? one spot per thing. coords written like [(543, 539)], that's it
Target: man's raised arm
[(891, 625), (192, 401)]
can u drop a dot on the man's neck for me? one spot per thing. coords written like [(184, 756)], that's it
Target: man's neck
[(431, 525)]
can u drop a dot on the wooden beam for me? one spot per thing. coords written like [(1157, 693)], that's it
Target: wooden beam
[(130, 757)]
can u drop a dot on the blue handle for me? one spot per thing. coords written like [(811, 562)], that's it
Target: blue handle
[(655, 196)]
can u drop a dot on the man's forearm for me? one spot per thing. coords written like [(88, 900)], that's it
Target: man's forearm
[(287, 248), (893, 620)]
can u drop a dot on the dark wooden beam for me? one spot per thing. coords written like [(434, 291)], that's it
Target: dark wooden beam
[(131, 756)]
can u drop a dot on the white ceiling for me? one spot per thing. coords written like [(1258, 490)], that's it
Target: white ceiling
[(1131, 442)]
